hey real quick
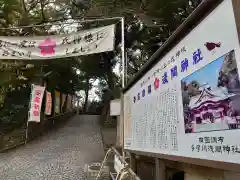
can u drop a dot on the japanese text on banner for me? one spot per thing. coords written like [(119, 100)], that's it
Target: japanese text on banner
[(36, 103)]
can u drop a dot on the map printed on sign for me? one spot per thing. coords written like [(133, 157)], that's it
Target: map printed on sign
[(188, 104)]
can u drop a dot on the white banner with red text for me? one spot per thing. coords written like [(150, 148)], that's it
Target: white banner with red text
[(85, 42), (36, 103)]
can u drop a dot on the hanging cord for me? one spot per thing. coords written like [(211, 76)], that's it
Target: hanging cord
[(60, 23)]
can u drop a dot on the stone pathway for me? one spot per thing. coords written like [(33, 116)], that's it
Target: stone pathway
[(58, 155)]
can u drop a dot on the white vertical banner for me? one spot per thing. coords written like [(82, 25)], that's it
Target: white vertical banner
[(36, 103)]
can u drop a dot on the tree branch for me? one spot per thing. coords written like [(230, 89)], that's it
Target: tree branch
[(42, 11), (33, 4)]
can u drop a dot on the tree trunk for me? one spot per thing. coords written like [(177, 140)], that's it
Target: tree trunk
[(86, 100), (25, 19), (86, 96), (111, 85), (110, 78)]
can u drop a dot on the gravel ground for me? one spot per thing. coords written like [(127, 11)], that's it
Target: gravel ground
[(58, 155)]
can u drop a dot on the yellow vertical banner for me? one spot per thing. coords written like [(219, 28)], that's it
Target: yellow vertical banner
[(48, 106), (63, 101), (57, 102)]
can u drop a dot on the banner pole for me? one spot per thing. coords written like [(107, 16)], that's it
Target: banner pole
[(123, 54), (126, 67), (26, 135), (29, 106)]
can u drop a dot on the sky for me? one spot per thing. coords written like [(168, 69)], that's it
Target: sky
[(208, 74), (92, 95)]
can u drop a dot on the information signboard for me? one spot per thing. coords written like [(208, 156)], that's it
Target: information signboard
[(188, 104)]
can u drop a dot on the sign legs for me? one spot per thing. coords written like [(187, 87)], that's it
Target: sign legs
[(133, 162), (160, 170)]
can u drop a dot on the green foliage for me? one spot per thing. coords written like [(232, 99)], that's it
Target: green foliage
[(148, 24), (15, 77)]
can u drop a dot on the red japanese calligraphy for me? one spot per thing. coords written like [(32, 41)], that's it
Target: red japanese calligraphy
[(37, 99), (38, 93), (36, 113), (36, 107)]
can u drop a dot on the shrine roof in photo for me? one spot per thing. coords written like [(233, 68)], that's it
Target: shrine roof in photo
[(215, 95)]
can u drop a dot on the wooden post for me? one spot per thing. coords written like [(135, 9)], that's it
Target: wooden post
[(160, 169), (118, 132), (157, 169), (1, 140), (121, 125), (133, 163), (236, 9)]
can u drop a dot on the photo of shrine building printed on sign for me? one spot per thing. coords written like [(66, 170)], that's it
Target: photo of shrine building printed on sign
[(211, 97)]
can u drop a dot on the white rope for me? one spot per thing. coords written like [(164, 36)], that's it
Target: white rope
[(60, 23)]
